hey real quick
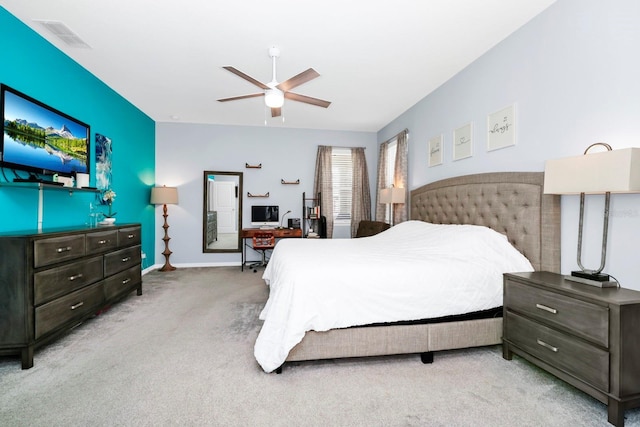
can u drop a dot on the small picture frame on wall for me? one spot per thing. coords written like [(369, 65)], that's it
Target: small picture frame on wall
[(463, 142), (434, 148), (501, 128)]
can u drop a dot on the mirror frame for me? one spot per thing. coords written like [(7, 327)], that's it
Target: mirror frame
[(205, 193)]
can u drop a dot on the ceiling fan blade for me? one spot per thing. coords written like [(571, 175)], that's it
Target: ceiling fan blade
[(295, 81), (253, 95), (246, 77), (276, 112), (307, 99)]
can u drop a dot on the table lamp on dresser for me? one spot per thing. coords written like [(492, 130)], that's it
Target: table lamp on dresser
[(606, 172), (165, 196)]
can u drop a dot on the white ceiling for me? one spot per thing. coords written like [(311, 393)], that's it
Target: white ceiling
[(376, 58)]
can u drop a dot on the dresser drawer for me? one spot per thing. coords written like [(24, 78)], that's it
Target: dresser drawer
[(67, 308), (129, 236), (101, 241), (122, 282), (58, 281), (586, 320), (121, 260), (586, 362), (57, 249)]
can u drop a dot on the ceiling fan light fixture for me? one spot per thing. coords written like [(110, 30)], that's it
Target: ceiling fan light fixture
[(274, 98)]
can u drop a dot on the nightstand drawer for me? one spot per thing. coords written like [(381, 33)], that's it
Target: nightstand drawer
[(572, 355), (586, 320)]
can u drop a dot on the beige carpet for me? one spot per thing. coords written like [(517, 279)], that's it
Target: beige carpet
[(182, 354)]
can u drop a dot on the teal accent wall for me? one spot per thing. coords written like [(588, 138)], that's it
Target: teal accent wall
[(35, 67)]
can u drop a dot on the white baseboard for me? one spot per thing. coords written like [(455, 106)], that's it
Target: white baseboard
[(192, 265)]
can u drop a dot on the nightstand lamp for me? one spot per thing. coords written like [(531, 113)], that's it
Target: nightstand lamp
[(165, 196), (391, 196), (611, 171)]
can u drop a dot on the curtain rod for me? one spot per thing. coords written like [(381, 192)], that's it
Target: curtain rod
[(340, 146), (396, 135)]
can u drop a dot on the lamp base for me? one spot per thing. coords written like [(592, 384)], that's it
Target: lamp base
[(598, 280)]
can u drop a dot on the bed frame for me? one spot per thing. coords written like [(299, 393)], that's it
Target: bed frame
[(511, 203)]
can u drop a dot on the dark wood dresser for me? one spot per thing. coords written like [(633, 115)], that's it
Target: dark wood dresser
[(52, 280), (584, 335)]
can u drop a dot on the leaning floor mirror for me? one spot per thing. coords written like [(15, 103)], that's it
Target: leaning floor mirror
[(222, 212)]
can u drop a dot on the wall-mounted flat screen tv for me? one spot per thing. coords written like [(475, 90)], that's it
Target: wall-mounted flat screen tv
[(40, 139)]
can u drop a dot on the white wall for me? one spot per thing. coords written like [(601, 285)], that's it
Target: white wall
[(574, 74), (185, 151)]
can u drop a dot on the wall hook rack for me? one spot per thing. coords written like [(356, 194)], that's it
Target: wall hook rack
[(248, 166), (297, 181), (258, 195)]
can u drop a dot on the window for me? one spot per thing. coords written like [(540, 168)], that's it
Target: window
[(342, 173), (390, 168)]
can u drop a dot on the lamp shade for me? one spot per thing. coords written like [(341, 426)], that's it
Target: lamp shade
[(392, 195), (164, 196), (615, 171)]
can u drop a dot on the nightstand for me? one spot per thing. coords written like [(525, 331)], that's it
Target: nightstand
[(584, 335)]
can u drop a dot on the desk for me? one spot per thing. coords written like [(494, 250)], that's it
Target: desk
[(279, 233)]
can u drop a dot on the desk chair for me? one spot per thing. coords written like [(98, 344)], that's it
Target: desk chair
[(262, 242)]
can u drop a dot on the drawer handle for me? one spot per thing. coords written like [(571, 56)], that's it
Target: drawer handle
[(131, 236), (78, 305), (126, 259), (77, 276), (66, 249), (545, 308), (549, 346), (102, 242), (125, 281)]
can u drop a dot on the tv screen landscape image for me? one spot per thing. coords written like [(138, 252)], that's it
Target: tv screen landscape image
[(38, 138)]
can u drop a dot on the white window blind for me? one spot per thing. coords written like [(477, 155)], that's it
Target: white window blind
[(342, 171)]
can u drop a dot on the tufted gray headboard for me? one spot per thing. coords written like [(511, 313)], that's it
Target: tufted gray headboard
[(511, 203)]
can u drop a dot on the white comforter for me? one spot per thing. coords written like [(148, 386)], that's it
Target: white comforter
[(412, 271)]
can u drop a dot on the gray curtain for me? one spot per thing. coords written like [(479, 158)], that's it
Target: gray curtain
[(323, 184), (360, 191), (381, 208), (401, 177)]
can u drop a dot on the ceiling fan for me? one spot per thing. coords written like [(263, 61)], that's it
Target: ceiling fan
[(274, 92)]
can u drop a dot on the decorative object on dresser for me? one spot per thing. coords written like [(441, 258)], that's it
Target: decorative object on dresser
[(165, 196), (391, 196), (50, 281), (612, 171), (584, 335)]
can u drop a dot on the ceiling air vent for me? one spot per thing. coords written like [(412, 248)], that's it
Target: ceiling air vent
[(65, 34)]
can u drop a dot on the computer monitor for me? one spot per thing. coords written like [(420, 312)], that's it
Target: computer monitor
[(265, 216)]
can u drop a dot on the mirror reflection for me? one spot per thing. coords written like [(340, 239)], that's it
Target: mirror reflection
[(222, 216)]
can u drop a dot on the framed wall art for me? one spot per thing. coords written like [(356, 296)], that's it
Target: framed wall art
[(103, 163), (501, 128), (463, 142), (434, 148)]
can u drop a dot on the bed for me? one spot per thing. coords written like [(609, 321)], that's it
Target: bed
[(511, 203)]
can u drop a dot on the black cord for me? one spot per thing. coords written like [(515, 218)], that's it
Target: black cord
[(615, 280), (4, 175)]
